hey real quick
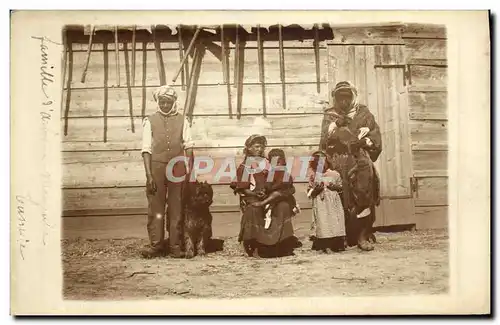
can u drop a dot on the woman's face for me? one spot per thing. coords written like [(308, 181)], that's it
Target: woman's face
[(256, 149), (343, 99)]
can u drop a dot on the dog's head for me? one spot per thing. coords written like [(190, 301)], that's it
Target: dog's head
[(200, 194)]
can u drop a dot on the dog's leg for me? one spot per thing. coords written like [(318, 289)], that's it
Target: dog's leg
[(189, 245), (201, 244)]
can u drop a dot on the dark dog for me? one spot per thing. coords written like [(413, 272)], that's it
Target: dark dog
[(197, 218)]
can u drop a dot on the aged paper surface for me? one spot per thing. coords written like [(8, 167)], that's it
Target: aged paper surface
[(36, 270)]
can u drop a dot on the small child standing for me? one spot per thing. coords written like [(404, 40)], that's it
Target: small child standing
[(328, 214)]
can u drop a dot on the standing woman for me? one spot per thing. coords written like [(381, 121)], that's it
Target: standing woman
[(253, 189), (351, 137)]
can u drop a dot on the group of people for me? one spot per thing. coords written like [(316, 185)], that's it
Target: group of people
[(343, 187)]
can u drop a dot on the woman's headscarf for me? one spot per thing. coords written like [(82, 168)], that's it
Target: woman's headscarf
[(166, 91), (346, 85), (253, 139)]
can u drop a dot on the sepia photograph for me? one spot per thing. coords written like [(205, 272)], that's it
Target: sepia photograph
[(369, 100), (234, 159)]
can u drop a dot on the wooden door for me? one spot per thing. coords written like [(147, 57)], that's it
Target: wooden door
[(378, 72)]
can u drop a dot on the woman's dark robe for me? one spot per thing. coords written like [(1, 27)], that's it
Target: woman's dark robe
[(360, 179), (280, 233)]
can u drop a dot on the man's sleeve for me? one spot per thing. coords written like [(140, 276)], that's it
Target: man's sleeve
[(146, 136)]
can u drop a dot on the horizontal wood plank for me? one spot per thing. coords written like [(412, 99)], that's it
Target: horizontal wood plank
[(429, 131), (80, 201), (210, 100), (431, 217), (430, 160), (430, 49), (365, 35), (431, 173), (431, 102), (416, 30), (429, 62), (432, 191), (174, 46), (427, 89), (428, 116), (85, 169), (300, 66), (428, 76), (427, 146), (224, 224), (206, 131)]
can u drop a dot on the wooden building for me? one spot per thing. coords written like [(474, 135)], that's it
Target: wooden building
[(279, 82)]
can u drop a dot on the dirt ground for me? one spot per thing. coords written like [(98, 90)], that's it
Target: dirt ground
[(403, 263)]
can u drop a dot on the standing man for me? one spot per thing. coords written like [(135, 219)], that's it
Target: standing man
[(166, 135)]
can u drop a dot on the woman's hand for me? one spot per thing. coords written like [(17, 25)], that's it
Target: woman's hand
[(333, 187), (341, 121)]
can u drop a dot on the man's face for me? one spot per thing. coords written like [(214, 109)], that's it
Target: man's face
[(343, 98), (165, 103)]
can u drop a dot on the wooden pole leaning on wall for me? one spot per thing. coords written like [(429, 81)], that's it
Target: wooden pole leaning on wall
[(144, 75), (282, 65), (106, 94), (87, 57), (193, 82), (181, 57), (129, 89), (117, 57), (260, 54), (190, 47), (236, 56), (241, 72), (133, 54), (159, 57), (65, 62), (68, 87), (316, 56), (225, 69)]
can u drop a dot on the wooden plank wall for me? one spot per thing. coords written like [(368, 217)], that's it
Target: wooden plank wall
[(102, 165), (426, 57)]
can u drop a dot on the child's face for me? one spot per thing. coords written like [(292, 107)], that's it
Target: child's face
[(319, 161), (280, 161)]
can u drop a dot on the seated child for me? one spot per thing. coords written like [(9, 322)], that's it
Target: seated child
[(324, 186), (279, 188)]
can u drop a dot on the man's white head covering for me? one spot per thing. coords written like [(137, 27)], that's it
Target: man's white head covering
[(168, 92)]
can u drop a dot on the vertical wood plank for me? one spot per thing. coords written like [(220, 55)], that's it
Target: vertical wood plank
[(372, 90), (394, 124), (351, 64), (106, 77), (381, 94), (404, 129), (360, 73), (371, 81), (338, 66)]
